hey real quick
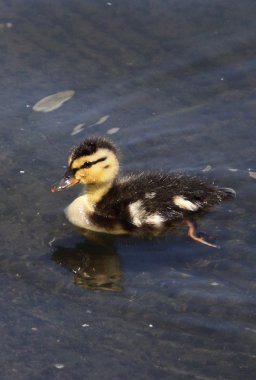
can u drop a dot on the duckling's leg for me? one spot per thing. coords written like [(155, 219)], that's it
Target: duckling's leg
[(193, 235)]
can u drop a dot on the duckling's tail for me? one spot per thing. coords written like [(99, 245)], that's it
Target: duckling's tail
[(228, 192)]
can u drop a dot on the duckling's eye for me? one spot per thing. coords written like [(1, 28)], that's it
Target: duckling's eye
[(87, 165)]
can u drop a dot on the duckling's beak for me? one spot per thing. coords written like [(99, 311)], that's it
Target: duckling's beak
[(66, 182)]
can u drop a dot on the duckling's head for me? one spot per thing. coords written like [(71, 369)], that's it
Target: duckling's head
[(93, 162)]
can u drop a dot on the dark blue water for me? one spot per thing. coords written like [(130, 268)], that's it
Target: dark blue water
[(178, 79)]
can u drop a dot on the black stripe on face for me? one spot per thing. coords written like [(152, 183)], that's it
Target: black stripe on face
[(86, 165), (89, 164)]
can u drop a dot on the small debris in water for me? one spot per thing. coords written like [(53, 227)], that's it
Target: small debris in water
[(85, 325), (207, 168), (77, 129), (53, 102), (111, 131), (7, 25), (101, 120), (22, 171), (214, 283), (250, 329), (80, 127), (185, 275), (233, 170), (59, 365), (252, 174), (51, 241), (150, 325), (109, 4), (34, 328)]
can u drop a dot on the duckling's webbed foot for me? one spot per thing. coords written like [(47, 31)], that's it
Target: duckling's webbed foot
[(193, 234)]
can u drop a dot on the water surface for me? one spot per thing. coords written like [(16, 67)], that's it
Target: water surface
[(177, 81)]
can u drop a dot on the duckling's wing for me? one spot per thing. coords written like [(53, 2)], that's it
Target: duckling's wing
[(173, 192)]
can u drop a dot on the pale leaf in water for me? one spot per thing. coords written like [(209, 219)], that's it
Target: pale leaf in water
[(207, 168), (101, 120), (77, 129), (111, 131), (53, 102), (252, 174), (233, 170)]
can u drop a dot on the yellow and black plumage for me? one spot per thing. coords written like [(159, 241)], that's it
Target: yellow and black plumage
[(143, 202)]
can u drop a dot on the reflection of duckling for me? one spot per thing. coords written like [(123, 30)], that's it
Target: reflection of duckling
[(94, 266), (135, 202)]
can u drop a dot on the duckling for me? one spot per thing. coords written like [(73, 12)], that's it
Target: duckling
[(124, 205)]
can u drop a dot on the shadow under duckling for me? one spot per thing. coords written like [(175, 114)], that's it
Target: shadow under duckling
[(134, 203)]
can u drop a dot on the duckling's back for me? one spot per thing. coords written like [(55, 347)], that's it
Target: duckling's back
[(155, 200)]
